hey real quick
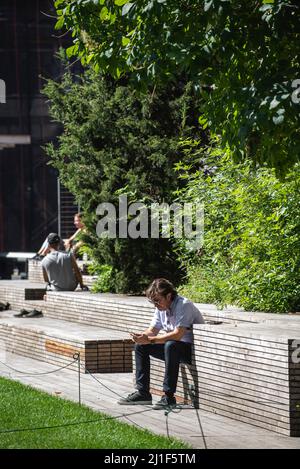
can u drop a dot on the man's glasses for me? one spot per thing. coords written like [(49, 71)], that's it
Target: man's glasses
[(155, 301)]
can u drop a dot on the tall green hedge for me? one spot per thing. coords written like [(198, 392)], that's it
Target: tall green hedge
[(115, 141)]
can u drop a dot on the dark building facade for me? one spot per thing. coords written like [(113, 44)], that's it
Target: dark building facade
[(28, 186)]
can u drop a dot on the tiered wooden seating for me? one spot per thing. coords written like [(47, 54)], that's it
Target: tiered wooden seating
[(20, 292), (56, 342), (118, 312), (245, 373), (245, 365)]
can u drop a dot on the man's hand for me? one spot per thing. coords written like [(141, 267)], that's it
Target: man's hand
[(140, 338)]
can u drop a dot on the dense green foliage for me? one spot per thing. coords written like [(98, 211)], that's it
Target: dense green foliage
[(115, 142), (241, 60), (24, 407), (243, 56), (251, 252)]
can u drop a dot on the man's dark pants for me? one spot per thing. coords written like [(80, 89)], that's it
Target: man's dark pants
[(173, 352)]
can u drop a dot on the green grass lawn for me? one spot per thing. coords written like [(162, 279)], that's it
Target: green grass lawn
[(24, 407)]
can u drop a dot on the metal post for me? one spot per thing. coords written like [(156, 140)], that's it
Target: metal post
[(58, 208), (76, 356), (79, 384)]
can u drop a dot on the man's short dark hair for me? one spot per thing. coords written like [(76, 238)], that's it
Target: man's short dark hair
[(53, 238), (162, 287)]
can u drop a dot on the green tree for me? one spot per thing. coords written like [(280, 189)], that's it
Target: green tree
[(243, 56), (115, 141), (251, 251)]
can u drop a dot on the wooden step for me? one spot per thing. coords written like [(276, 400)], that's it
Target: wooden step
[(17, 292), (116, 312), (54, 341), (242, 366), (133, 313), (245, 372), (120, 312)]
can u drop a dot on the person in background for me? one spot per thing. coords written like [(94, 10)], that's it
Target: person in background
[(60, 269), (74, 243), (71, 244), (175, 315)]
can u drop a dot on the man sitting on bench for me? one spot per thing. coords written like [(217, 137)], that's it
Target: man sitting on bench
[(176, 316), (60, 269)]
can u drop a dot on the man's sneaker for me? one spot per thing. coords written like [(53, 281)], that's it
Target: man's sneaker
[(136, 398), (165, 403), (22, 313), (34, 314)]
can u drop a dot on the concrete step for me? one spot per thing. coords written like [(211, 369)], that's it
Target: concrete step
[(55, 341)]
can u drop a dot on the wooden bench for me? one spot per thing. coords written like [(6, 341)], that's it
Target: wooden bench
[(242, 367), (121, 312), (56, 342), (20, 292), (244, 372)]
